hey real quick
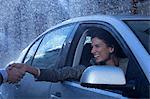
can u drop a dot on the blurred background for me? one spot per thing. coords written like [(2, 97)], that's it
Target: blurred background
[(21, 21)]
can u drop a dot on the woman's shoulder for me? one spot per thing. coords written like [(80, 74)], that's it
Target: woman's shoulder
[(123, 63)]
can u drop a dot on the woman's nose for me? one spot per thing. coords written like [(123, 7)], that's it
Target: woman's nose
[(93, 50)]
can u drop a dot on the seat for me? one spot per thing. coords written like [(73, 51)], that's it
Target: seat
[(86, 55)]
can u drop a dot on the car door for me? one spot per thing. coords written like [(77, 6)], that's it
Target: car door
[(72, 89), (137, 85), (44, 54)]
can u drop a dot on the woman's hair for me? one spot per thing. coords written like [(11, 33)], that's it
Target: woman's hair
[(105, 36)]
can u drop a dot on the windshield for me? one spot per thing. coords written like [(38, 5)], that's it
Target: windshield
[(142, 30)]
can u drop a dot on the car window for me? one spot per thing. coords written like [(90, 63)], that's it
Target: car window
[(29, 57), (48, 51), (142, 31), (87, 56)]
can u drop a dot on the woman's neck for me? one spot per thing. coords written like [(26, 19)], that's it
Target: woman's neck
[(113, 61)]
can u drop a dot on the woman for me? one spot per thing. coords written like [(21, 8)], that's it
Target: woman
[(104, 50)]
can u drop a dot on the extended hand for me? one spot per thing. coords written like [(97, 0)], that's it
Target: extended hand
[(25, 68), (15, 74)]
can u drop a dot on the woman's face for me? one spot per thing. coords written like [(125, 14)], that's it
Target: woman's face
[(100, 50)]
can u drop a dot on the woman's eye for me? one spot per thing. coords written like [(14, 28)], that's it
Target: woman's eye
[(97, 46)]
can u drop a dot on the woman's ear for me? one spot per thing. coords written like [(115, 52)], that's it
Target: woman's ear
[(111, 49)]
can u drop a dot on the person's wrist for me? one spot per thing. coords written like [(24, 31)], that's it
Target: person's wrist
[(27, 68), (1, 77), (35, 72), (4, 74), (38, 72), (32, 70)]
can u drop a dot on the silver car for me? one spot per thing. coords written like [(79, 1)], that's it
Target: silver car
[(64, 45)]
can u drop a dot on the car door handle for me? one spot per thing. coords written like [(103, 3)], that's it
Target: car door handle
[(56, 95)]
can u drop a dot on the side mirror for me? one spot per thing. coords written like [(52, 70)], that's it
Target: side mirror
[(98, 76)]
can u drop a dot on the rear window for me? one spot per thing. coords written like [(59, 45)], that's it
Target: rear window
[(142, 30)]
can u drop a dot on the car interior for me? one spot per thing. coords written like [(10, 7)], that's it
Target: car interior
[(85, 50)]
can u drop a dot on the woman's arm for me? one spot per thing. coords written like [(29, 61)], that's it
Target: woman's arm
[(62, 74), (53, 74)]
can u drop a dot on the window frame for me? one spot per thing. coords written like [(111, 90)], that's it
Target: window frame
[(47, 32), (31, 45)]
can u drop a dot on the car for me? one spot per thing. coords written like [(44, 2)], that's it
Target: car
[(64, 45)]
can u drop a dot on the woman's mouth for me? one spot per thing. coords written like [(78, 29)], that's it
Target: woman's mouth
[(96, 56)]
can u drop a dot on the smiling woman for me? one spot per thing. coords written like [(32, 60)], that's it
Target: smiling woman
[(104, 47), (106, 50)]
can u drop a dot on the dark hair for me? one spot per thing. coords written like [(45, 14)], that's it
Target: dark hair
[(105, 36)]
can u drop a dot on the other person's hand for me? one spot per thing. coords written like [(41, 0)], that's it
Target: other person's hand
[(14, 74)]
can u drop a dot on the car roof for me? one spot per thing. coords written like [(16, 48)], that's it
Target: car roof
[(101, 17), (106, 18)]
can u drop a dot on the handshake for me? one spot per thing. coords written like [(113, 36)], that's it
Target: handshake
[(16, 72)]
